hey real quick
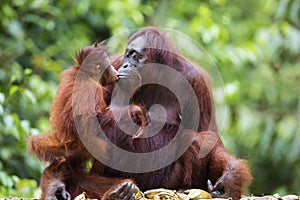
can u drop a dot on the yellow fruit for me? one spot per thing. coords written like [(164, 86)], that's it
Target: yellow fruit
[(139, 195), (197, 194), (150, 193)]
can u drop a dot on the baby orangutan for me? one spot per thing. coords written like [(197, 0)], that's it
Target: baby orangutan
[(80, 94)]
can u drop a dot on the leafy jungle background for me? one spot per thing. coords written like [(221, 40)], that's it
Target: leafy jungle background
[(254, 43)]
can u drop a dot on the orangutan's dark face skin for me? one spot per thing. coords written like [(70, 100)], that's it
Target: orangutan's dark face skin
[(134, 59), (134, 56)]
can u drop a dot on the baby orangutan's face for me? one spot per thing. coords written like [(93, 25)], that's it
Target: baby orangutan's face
[(97, 66), (109, 76)]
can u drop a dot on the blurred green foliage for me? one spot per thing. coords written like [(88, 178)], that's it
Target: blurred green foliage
[(255, 44)]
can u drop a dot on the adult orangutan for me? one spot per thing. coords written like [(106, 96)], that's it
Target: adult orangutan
[(148, 52), (187, 122)]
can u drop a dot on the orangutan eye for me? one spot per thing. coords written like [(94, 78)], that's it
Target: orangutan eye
[(98, 67)]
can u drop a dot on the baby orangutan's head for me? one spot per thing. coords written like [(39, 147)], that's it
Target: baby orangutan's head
[(94, 63)]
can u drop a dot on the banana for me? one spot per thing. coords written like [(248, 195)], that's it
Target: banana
[(156, 193), (81, 197), (139, 195), (197, 194), (165, 194)]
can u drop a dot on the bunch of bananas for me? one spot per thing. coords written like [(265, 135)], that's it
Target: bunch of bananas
[(165, 194)]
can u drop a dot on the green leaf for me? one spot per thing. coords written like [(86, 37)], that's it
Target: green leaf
[(13, 89), (2, 98), (27, 71), (25, 186), (29, 95), (5, 180)]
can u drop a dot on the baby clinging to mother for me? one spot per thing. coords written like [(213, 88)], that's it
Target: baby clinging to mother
[(185, 116)]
